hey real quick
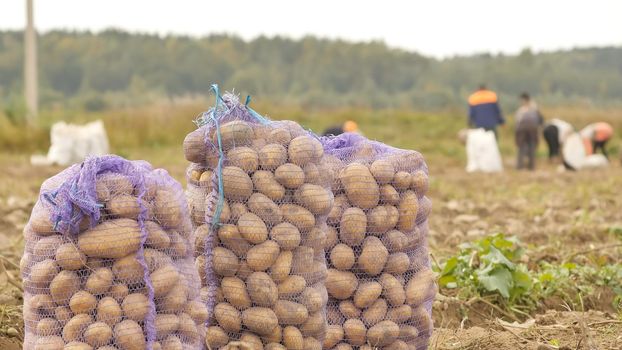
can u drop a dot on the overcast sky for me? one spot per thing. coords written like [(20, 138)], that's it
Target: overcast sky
[(439, 27)]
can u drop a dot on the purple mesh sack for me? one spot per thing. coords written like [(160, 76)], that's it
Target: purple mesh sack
[(108, 261), (259, 195), (379, 280)]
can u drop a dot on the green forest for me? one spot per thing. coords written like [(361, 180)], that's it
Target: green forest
[(96, 70)]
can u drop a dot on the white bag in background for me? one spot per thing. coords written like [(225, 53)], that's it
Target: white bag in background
[(575, 155), (482, 152)]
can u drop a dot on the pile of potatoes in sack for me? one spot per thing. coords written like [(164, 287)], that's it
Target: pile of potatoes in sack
[(108, 262), (259, 194), (379, 280)]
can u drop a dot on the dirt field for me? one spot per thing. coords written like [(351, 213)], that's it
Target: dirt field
[(558, 217)]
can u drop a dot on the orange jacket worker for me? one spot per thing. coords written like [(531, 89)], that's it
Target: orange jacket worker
[(484, 111)]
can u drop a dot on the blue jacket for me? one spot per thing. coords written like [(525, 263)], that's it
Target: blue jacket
[(484, 111)]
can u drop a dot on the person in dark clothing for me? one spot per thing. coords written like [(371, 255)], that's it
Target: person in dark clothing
[(348, 126), (528, 120), (555, 133), (484, 111)]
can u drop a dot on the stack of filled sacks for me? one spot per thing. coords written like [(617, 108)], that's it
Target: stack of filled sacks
[(379, 280), (108, 261), (259, 193)]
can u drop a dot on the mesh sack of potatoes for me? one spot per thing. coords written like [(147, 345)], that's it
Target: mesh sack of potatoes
[(108, 261), (379, 280), (259, 250)]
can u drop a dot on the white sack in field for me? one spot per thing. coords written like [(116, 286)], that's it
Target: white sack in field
[(575, 155), (482, 152), (71, 143)]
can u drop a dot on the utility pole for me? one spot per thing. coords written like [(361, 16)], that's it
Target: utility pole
[(31, 87)]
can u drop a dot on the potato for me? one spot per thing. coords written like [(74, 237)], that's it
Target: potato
[(275, 336), (382, 219), (290, 175), (354, 331), (318, 200), (421, 287), (399, 314), (99, 281), (187, 328), (98, 334), (125, 206), (272, 156), (228, 317), (334, 335), (353, 226), (304, 149), (244, 271), (62, 314), (286, 235), (76, 345), (375, 313), (395, 241), (48, 326), (63, 286), (108, 311), (360, 186), (419, 182), (401, 180), (82, 302), (298, 216), (314, 326), (331, 238), (96, 242), (342, 257), (43, 272), (167, 209), (216, 337), (237, 185), (135, 306), (292, 338), (408, 333), (175, 300), (128, 269), (314, 298), (265, 182), (348, 309), (316, 239), (224, 262), (282, 266), (310, 343), (75, 326), (172, 342), (397, 263), (195, 150), (262, 290), (275, 346), (392, 289), (49, 343), (340, 203), (197, 310), (230, 237), (408, 208), (389, 195), (290, 313), (244, 158), (163, 280), (341, 285), (398, 345), (382, 170), (46, 246), (312, 174), (261, 256), (41, 303), (69, 257), (156, 259), (260, 320), (265, 208), (280, 135), (291, 285), (344, 346), (252, 228), (366, 294), (234, 134), (157, 238), (234, 291), (128, 335), (373, 256), (116, 183), (383, 333)]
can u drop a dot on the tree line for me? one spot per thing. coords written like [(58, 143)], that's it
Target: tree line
[(84, 66)]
